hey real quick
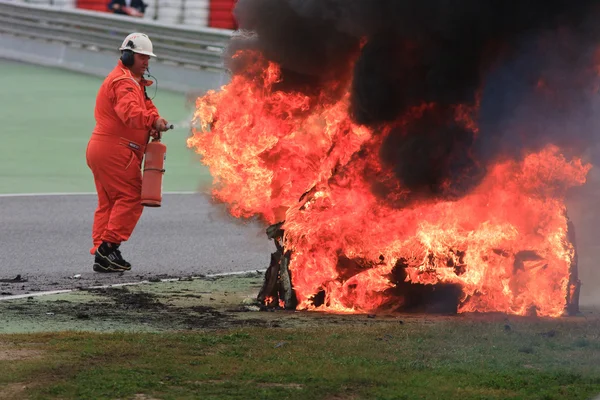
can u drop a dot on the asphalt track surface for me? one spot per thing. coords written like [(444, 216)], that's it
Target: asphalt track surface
[(46, 240)]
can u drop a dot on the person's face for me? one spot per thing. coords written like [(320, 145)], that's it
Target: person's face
[(140, 64)]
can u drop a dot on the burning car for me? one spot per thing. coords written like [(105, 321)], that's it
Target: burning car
[(407, 156)]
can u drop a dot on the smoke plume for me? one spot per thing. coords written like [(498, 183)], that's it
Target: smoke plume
[(528, 65)]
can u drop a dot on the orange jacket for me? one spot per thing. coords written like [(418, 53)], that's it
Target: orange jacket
[(122, 108)]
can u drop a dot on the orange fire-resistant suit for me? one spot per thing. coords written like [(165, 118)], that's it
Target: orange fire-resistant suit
[(124, 117)]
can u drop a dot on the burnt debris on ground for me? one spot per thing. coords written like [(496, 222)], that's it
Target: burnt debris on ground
[(215, 303)]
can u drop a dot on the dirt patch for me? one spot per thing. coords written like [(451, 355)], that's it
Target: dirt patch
[(13, 353), (258, 384), (141, 396), (12, 391), (281, 385), (124, 299), (345, 396), (156, 310)]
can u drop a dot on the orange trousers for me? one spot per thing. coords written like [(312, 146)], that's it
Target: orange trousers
[(118, 177)]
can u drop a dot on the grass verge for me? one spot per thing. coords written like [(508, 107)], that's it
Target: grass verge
[(229, 353)]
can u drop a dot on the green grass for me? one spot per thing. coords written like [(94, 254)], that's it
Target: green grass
[(48, 117), (445, 358)]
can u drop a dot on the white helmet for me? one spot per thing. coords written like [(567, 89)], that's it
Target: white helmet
[(138, 43)]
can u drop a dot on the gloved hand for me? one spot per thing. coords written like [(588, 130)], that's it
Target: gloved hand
[(161, 125)]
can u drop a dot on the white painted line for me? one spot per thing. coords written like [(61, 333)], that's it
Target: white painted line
[(37, 294), (23, 296), (46, 194), (235, 273), (72, 194)]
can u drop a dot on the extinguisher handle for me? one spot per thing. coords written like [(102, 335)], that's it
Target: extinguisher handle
[(157, 139)]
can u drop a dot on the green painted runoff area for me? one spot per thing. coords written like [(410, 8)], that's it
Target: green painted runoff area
[(47, 117)]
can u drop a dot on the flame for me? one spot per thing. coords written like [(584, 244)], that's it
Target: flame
[(284, 157)]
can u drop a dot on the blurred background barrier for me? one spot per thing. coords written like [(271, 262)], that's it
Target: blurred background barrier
[(188, 57), (197, 13)]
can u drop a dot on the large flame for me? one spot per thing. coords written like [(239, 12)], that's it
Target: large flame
[(279, 156)]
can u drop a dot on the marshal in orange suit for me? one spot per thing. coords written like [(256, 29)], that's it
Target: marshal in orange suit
[(125, 120)]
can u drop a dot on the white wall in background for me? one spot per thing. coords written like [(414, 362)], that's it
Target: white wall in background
[(176, 12), (186, 12), (58, 3)]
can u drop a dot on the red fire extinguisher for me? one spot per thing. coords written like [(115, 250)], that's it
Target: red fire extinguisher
[(154, 169)]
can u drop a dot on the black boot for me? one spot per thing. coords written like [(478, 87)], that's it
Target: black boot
[(108, 258)]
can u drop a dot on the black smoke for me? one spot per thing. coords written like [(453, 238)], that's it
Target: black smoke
[(531, 62)]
